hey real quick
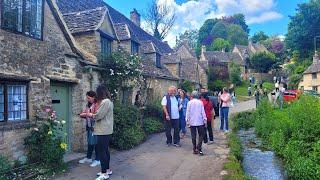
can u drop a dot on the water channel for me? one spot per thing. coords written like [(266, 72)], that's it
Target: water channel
[(259, 164)]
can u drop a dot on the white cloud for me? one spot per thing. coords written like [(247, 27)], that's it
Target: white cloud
[(266, 16), (193, 13)]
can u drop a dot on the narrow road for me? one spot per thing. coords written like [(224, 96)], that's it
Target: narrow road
[(153, 160)]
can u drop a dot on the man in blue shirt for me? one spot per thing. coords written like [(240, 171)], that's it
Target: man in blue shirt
[(171, 113)]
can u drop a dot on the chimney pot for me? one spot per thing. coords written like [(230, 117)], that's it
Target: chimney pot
[(135, 17), (316, 58)]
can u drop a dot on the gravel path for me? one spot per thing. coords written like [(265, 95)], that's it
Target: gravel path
[(153, 160)]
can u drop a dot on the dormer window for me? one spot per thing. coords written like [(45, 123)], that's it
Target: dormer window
[(158, 60), (134, 48), (105, 47), (23, 17)]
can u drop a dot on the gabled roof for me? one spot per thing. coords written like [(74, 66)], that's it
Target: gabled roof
[(83, 21), (223, 57), (149, 69), (67, 34), (189, 69), (313, 68), (142, 35), (148, 47), (188, 48), (72, 6)]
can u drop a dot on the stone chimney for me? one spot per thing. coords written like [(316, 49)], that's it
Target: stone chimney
[(203, 50), (316, 58), (135, 17)]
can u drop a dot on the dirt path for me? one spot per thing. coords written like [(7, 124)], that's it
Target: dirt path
[(153, 160)]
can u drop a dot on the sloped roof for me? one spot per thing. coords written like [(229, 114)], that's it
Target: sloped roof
[(189, 69), (171, 58), (84, 21), (69, 6), (223, 57), (186, 45), (148, 47), (313, 68), (149, 69), (142, 35)]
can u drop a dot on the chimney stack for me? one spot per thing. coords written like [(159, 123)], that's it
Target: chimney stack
[(316, 58), (135, 17), (203, 48)]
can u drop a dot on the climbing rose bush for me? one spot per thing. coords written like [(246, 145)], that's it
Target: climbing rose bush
[(47, 141), (123, 70)]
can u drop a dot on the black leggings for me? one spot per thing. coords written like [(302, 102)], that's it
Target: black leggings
[(103, 151), (209, 129)]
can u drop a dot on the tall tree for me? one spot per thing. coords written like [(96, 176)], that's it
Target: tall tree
[(205, 31), (220, 44), (189, 36), (303, 27), (262, 61), (237, 19), (220, 30), (236, 35), (259, 36), (160, 19)]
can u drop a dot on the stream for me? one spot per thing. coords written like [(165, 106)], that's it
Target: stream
[(259, 164)]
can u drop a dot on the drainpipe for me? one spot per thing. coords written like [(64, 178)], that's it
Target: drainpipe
[(90, 69)]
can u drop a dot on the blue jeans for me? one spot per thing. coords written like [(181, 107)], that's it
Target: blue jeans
[(183, 123), (224, 118)]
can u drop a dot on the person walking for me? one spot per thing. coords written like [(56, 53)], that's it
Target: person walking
[(281, 96), (183, 102), (225, 100), (196, 120), (208, 108), (91, 138), (257, 97), (170, 106), (215, 102), (276, 85), (103, 128)]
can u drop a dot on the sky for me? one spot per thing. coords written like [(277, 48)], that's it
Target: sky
[(270, 16)]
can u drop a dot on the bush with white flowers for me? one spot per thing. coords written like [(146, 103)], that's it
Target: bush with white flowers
[(121, 69)]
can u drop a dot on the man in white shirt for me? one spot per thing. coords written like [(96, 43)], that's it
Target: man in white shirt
[(170, 108), (196, 120)]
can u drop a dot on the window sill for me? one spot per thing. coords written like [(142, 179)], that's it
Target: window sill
[(9, 126)]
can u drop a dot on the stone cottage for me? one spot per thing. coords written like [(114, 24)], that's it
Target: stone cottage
[(222, 60), (94, 22), (311, 77), (184, 64), (40, 66)]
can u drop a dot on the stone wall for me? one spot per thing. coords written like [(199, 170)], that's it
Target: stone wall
[(307, 82), (39, 62), (158, 87), (203, 77), (174, 69)]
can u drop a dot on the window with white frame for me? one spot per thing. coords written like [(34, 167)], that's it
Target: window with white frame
[(13, 101)]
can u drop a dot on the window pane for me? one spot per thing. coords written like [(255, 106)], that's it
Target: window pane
[(105, 47), (1, 103), (17, 105), (33, 18), (12, 15), (1, 117)]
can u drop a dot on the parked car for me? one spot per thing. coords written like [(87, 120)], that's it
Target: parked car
[(312, 93), (291, 95)]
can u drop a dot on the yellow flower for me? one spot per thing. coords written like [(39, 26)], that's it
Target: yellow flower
[(50, 132), (63, 146)]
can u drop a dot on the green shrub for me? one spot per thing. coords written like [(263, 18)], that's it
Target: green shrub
[(47, 141), (5, 166), (187, 86), (153, 110), (244, 120), (128, 131), (233, 165), (153, 125)]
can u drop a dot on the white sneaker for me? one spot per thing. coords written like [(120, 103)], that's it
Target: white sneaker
[(85, 160), (103, 177), (109, 172), (95, 163), (210, 142), (226, 131)]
